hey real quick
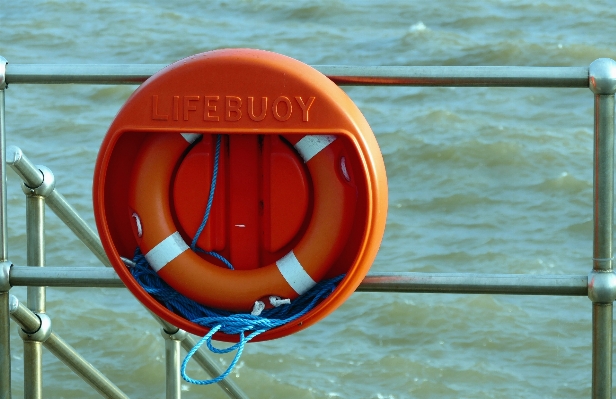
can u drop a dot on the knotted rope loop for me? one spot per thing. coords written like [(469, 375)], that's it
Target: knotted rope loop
[(230, 323)]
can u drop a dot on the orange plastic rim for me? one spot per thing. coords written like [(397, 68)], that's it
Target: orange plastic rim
[(240, 92)]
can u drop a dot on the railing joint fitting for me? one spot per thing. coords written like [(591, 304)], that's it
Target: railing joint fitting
[(40, 335), (45, 188), (5, 271), (602, 76), (602, 286), (178, 335)]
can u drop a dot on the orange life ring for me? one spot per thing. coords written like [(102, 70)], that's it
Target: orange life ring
[(237, 290)]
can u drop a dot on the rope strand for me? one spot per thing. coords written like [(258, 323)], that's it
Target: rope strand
[(230, 323)]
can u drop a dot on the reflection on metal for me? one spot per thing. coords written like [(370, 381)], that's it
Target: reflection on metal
[(599, 285)]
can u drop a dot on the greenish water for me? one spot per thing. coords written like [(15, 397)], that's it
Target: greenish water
[(481, 180)]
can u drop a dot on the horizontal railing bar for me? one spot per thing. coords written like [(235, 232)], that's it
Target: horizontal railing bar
[(81, 73), (458, 76), (471, 283), (485, 76), (517, 284), (64, 277)]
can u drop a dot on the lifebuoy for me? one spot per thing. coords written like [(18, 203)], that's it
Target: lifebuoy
[(237, 290), (254, 98)]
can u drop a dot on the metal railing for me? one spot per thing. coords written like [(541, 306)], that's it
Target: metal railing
[(599, 285)]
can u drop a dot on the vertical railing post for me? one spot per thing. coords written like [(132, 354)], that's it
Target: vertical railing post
[(33, 350), (173, 343), (602, 281), (4, 241), (35, 238), (35, 241), (5, 341)]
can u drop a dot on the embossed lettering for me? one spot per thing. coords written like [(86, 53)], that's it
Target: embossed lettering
[(180, 107), (289, 109), (176, 108), (209, 108), (155, 114), (233, 112), (188, 107), (251, 109), (305, 107)]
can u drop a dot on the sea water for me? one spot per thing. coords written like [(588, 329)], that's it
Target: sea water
[(481, 180)]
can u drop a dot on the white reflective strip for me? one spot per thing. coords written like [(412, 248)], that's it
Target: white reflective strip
[(309, 146), (190, 137), (166, 251), (294, 273)]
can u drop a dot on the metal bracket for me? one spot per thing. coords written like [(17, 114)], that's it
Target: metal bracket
[(3, 62), (46, 187), (179, 335), (5, 269), (602, 286), (42, 333), (602, 76)]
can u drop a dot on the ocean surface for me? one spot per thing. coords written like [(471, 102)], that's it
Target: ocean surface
[(495, 180)]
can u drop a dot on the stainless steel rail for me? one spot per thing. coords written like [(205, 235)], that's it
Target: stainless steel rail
[(36, 328), (469, 283), (513, 284), (39, 180), (5, 337), (599, 285), (602, 79), (342, 75), (35, 257), (65, 277)]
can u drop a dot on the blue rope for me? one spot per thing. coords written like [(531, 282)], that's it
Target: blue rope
[(230, 323), (206, 216)]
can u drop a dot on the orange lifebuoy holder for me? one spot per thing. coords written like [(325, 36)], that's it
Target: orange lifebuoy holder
[(301, 194)]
